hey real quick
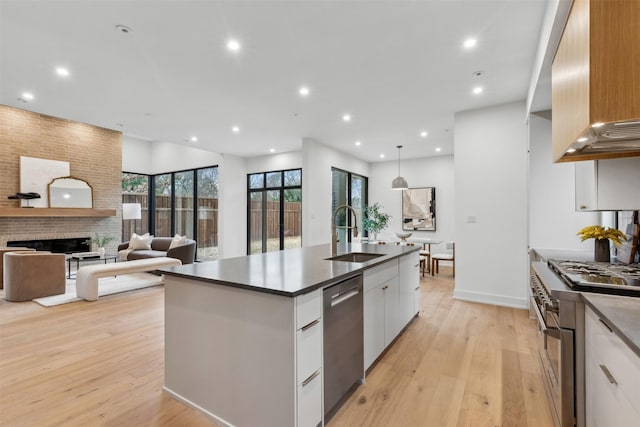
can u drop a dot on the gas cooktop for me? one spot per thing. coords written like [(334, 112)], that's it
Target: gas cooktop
[(623, 279)]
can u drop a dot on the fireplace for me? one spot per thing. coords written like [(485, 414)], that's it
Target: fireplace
[(63, 246)]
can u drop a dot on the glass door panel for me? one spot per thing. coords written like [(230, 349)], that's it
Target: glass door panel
[(162, 185), (292, 218), (255, 222), (273, 221), (207, 213), (184, 203)]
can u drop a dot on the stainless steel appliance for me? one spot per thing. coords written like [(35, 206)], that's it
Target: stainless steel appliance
[(559, 310), (343, 342)]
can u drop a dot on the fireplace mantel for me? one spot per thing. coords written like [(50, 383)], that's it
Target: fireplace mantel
[(55, 212)]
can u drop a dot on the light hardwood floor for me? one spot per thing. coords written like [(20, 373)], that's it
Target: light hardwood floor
[(101, 364)]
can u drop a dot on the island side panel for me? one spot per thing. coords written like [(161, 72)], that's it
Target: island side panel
[(230, 352)]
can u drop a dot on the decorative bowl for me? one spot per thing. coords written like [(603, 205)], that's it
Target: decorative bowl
[(403, 236)]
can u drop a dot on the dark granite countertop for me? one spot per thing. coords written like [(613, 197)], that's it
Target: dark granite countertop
[(290, 272), (622, 314)]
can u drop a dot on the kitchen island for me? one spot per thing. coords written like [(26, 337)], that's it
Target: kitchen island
[(244, 336)]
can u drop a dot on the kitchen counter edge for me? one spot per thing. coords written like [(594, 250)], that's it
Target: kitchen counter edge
[(390, 253)]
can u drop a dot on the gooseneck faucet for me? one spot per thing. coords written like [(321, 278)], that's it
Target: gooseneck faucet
[(334, 228)]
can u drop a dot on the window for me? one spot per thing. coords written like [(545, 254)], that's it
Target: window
[(348, 189), (274, 204), (184, 203), (135, 189)]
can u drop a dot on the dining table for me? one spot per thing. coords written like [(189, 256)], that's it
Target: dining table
[(426, 250)]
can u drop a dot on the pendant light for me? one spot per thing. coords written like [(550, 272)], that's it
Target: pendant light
[(399, 183)]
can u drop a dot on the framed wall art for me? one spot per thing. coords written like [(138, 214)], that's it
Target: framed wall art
[(419, 209)]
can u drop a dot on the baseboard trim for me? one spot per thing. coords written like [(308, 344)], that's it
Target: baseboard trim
[(189, 403), (492, 299)]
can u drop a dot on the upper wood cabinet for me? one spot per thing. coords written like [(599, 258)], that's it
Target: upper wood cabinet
[(596, 77)]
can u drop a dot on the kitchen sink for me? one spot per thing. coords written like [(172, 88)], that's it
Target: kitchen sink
[(354, 257)]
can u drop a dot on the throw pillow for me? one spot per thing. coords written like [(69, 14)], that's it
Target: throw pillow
[(140, 242), (178, 240)]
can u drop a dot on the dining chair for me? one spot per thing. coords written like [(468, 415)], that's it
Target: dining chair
[(436, 258)]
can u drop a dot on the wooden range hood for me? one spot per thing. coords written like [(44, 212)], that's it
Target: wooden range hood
[(596, 79)]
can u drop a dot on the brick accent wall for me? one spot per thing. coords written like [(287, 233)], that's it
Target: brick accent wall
[(94, 154)]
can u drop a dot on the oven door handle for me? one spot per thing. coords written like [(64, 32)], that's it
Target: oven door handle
[(552, 332)]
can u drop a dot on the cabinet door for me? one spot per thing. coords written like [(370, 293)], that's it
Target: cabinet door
[(391, 311), (586, 177), (409, 276), (374, 325)]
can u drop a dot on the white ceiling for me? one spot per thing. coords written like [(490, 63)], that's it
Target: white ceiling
[(398, 67)]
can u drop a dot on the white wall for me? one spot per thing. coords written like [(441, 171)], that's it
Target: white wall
[(232, 219), (317, 161), (435, 172), (136, 155), (275, 162), (490, 149), (553, 221), (153, 158)]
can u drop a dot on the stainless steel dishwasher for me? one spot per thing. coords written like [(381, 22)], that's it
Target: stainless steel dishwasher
[(343, 342)]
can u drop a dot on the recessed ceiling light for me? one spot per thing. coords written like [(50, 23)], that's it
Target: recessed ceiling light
[(123, 29), (63, 72), (358, 143), (583, 139), (478, 90), (233, 45), (272, 150), (235, 129), (27, 96), (346, 117), (194, 139), (597, 125), (424, 133), (469, 43), (571, 150), (438, 149), (304, 91), (382, 156)]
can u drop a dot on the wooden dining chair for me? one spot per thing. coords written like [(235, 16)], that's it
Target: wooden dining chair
[(436, 258)]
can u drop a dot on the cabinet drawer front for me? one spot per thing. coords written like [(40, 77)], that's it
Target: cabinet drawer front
[(310, 401), (606, 404), (376, 275), (308, 308), (309, 350), (619, 359)]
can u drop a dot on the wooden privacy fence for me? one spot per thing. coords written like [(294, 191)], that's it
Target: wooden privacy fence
[(292, 219), (207, 218)]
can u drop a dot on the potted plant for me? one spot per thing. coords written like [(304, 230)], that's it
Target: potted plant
[(100, 242), (602, 236), (375, 219)]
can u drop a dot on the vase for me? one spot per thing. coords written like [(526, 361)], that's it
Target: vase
[(101, 251), (602, 252)]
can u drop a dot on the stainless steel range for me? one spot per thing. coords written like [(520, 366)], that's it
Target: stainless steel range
[(559, 309), (619, 279)]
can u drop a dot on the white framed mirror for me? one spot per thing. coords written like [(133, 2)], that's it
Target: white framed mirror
[(70, 192)]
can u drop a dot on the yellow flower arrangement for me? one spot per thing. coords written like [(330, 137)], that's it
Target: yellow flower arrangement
[(599, 232)]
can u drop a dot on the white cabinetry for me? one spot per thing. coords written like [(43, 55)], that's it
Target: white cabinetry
[(605, 185), (409, 287), (309, 359), (380, 309), (612, 374)]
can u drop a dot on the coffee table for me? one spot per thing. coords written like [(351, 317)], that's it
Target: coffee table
[(79, 260)]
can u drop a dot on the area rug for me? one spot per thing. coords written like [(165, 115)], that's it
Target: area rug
[(106, 286)]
